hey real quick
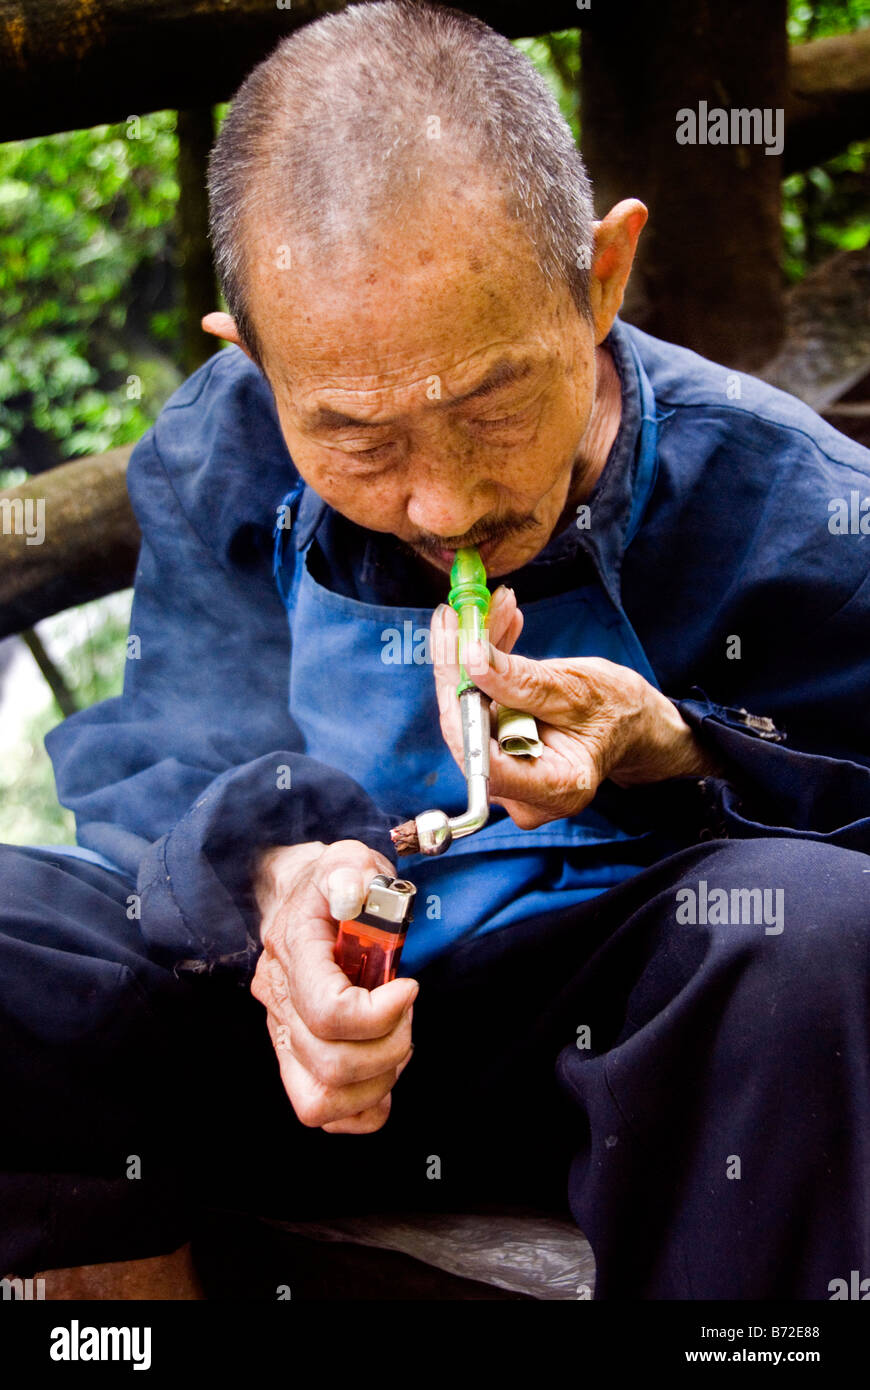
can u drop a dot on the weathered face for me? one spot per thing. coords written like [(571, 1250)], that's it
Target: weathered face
[(431, 385)]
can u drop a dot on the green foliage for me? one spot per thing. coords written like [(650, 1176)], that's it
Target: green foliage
[(80, 213), (557, 58), (825, 17), (827, 208)]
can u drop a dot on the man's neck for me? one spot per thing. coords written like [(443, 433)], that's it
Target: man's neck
[(600, 433)]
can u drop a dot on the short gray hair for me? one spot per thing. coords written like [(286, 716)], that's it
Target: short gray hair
[(327, 129)]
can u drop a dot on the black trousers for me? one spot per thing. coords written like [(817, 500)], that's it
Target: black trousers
[(687, 1072)]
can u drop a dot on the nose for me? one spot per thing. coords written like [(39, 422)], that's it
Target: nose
[(446, 502)]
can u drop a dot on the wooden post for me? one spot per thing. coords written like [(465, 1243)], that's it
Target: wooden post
[(68, 64), (708, 268), (195, 130)]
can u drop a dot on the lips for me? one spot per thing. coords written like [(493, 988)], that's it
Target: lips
[(484, 551)]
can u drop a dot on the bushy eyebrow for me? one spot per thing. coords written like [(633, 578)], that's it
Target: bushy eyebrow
[(503, 373)]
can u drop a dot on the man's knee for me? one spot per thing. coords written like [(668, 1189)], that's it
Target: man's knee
[(780, 884), (788, 919), (72, 958)]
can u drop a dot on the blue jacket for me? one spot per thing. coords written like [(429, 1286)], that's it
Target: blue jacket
[(753, 531)]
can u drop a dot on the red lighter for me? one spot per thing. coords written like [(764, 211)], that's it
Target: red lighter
[(368, 948)]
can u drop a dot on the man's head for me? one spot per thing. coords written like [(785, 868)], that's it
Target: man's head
[(405, 236)]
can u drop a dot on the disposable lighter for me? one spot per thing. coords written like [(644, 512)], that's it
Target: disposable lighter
[(369, 947)]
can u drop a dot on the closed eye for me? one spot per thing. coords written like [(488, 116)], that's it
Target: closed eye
[(516, 418)]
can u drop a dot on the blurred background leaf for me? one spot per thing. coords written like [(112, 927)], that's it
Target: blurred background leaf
[(88, 294)]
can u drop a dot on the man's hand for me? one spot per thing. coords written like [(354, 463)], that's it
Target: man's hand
[(340, 1048), (595, 719)]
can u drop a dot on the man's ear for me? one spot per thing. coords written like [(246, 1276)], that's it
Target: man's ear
[(616, 238), (224, 326)]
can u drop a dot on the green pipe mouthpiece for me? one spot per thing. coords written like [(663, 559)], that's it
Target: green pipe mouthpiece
[(469, 597)]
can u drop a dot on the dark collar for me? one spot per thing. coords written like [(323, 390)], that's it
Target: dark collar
[(610, 500)]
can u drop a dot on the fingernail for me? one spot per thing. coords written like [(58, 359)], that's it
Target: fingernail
[(498, 660), (438, 615), (475, 656), (345, 893)]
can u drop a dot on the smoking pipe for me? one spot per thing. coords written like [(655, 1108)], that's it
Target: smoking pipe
[(432, 832)]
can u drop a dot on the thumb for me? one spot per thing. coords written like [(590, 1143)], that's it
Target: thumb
[(343, 874), (346, 892)]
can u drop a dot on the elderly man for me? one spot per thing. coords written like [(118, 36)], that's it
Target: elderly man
[(641, 991)]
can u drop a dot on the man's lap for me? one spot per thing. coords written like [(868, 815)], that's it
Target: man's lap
[(112, 1056)]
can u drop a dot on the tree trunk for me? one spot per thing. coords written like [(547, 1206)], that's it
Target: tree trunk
[(89, 544), (54, 677)]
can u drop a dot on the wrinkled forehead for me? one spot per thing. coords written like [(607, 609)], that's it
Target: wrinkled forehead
[(434, 285)]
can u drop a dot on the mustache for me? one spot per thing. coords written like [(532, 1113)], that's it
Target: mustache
[(477, 536)]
